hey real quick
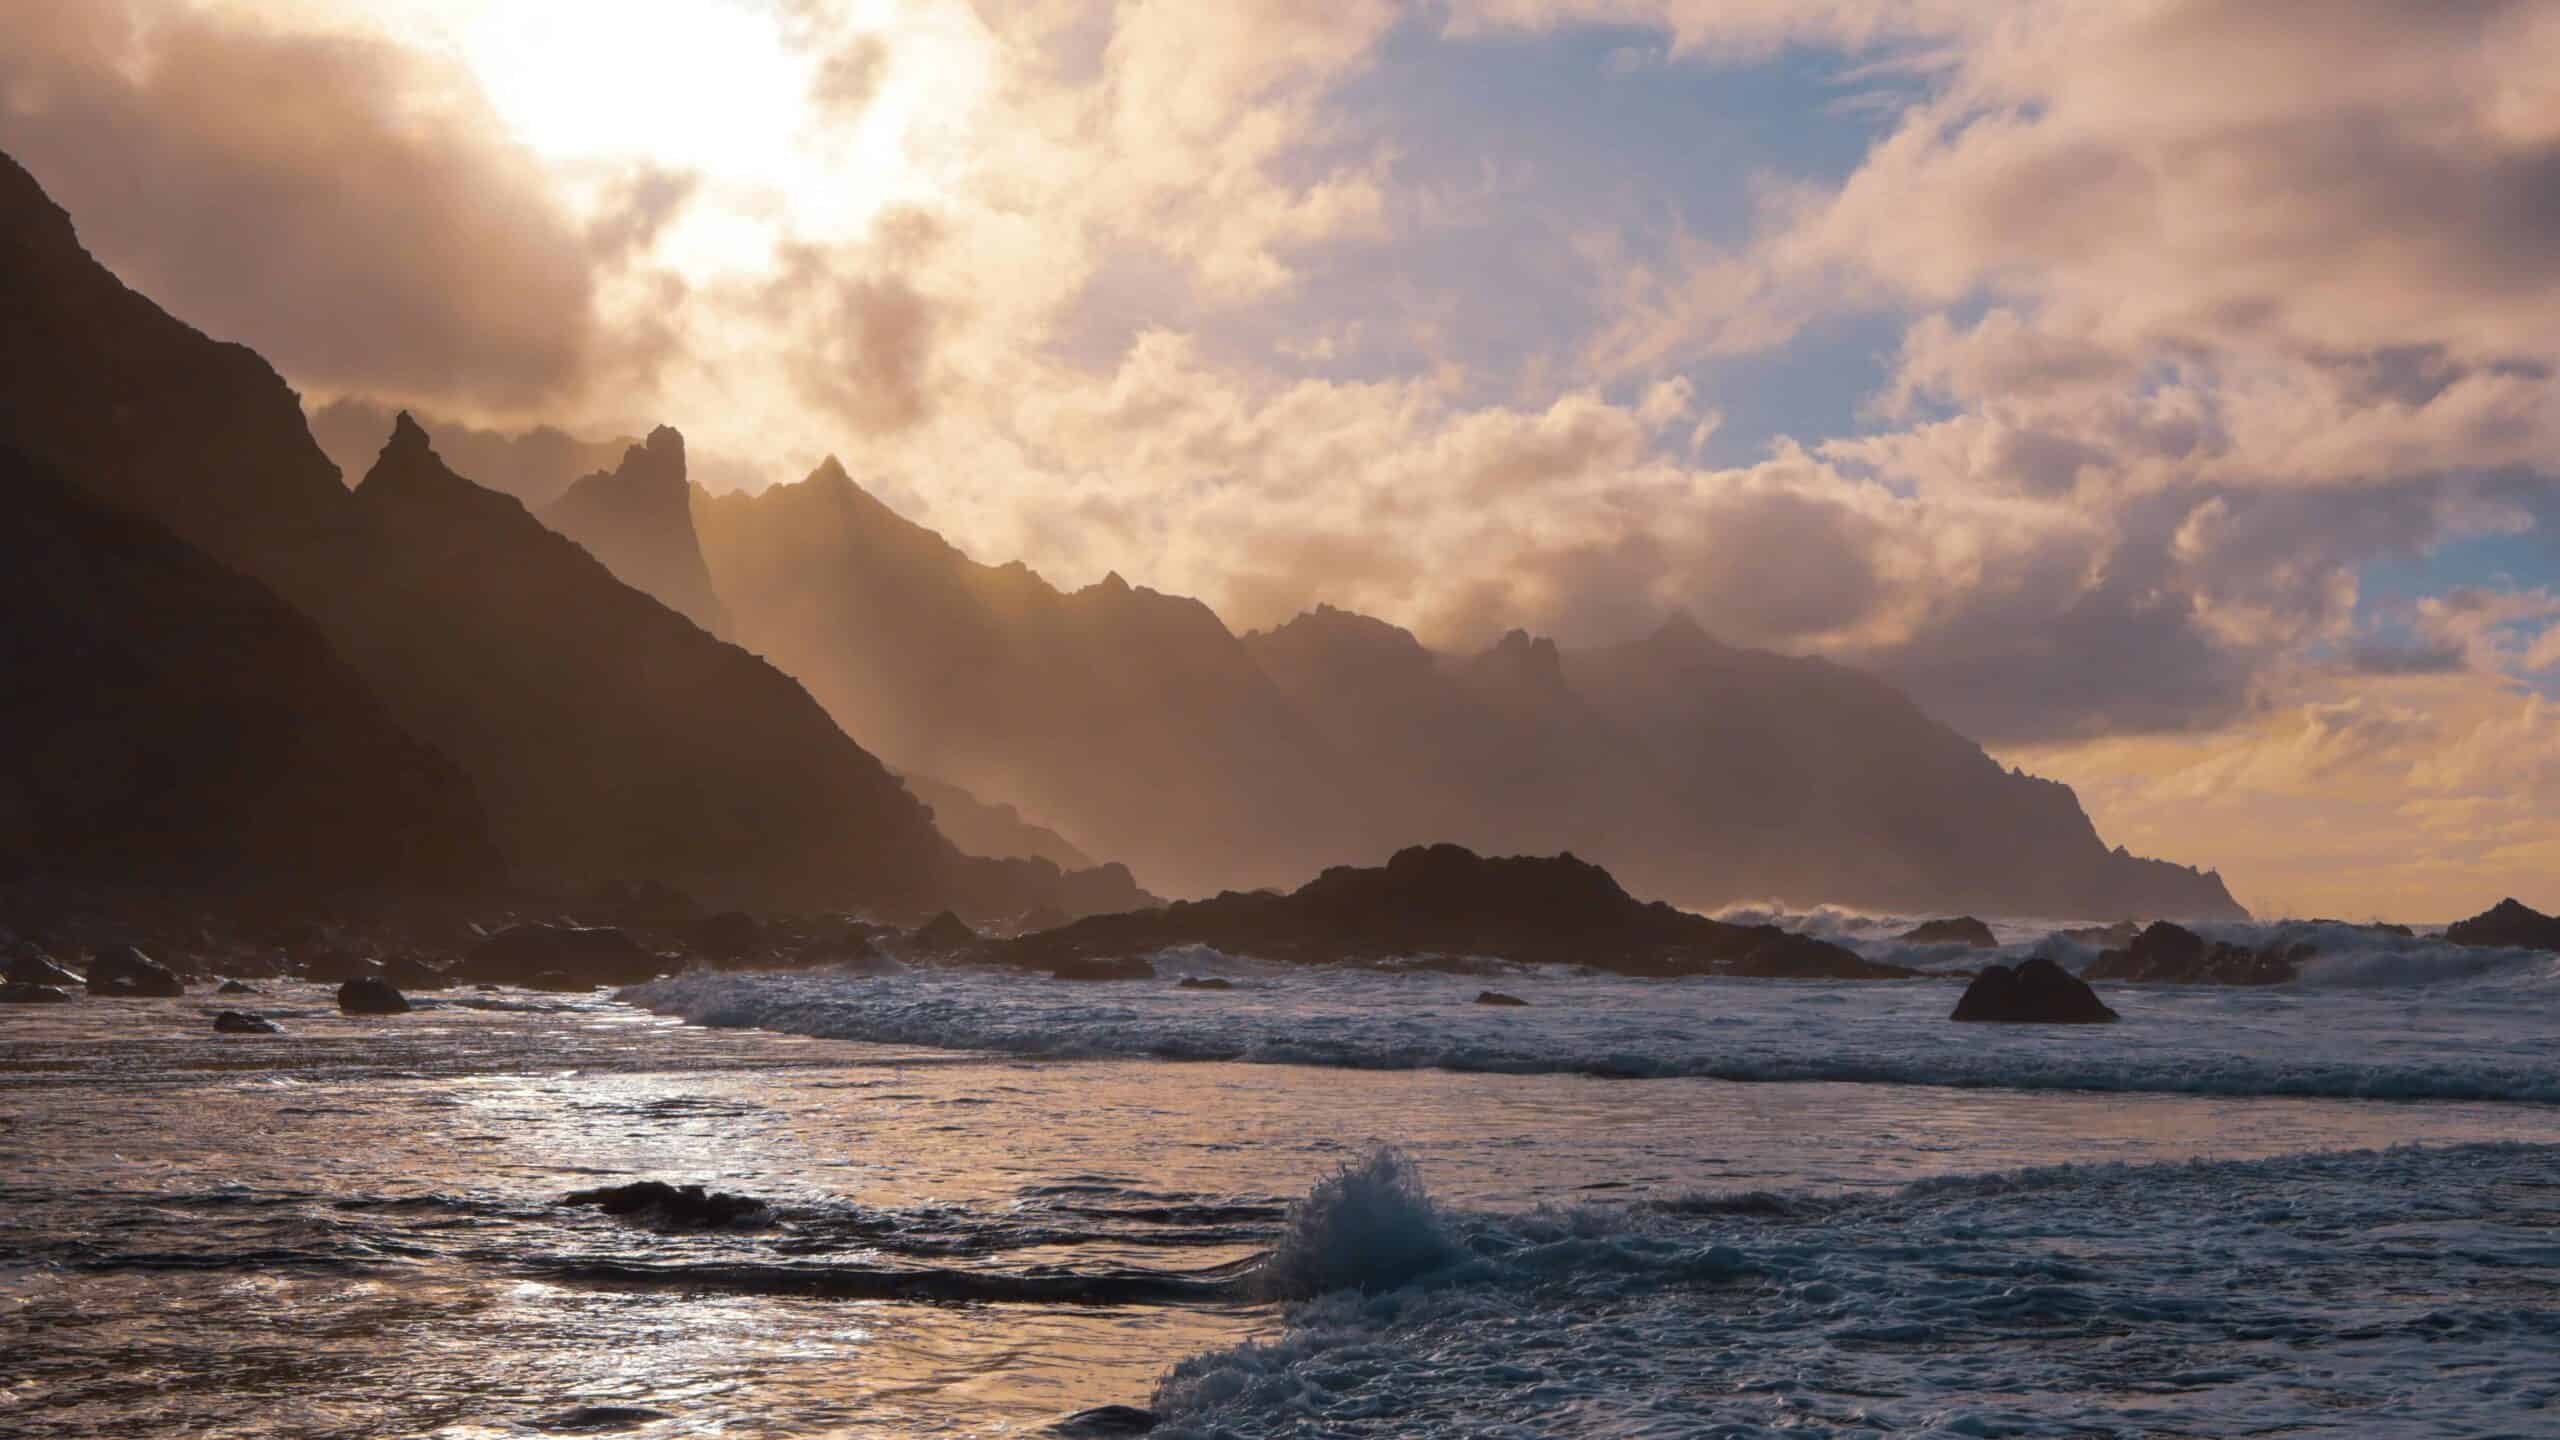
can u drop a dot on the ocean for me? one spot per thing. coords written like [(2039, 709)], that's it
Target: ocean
[(1321, 1201)]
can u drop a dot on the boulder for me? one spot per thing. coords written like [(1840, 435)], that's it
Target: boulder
[(1496, 997), (371, 997), (945, 931), (240, 1022), (2509, 923), (19, 992), (1204, 982), (555, 957), (234, 987), (1959, 930), (1105, 1422), (2037, 992), (39, 970), (682, 1206), (122, 970), (2166, 954)]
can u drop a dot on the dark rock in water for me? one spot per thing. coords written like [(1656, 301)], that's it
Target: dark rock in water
[(2508, 923), (329, 965), (2103, 937), (234, 987), (19, 992), (123, 970), (2166, 954), (1446, 900), (1960, 930), (1496, 997), (1204, 982), (559, 957), (2038, 992), (684, 1206), (725, 936), (1105, 1422), (371, 997), (1104, 967), (238, 1022), (38, 970), (945, 931), (589, 1419)]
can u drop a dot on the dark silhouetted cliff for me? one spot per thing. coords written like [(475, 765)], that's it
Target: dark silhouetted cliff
[(169, 722), (638, 519), (536, 466), (608, 738)]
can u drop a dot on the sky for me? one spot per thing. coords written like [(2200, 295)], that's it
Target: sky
[(2162, 391)]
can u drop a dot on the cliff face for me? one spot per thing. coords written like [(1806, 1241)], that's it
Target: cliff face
[(1141, 727), (638, 520), (1133, 721), (607, 737), (168, 722)]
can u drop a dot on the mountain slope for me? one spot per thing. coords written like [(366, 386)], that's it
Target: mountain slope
[(638, 520), (1134, 721), (608, 738), (169, 722)]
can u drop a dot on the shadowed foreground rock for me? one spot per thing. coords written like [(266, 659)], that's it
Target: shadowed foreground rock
[(122, 970), (371, 997), (2038, 992), (1960, 930), (2166, 954), (686, 1206), (2508, 923), (1446, 900), (559, 957)]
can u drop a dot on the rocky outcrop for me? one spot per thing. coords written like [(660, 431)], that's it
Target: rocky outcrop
[(2509, 923), (371, 997), (1445, 900), (121, 970), (559, 957), (241, 1022), (638, 520), (2037, 992), (2166, 954), (1960, 930)]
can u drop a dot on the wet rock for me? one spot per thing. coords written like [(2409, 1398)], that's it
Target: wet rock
[(2166, 954), (1105, 1422), (1104, 967), (371, 997), (678, 1206), (121, 970), (945, 931), (593, 1419), (19, 992), (2037, 992), (725, 936), (234, 987), (1958, 930), (240, 1022), (1496, 997), (1204, 982), (2510, 922), (553, 957), (39, 970)]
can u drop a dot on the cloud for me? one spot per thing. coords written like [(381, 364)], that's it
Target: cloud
[(343, 204)]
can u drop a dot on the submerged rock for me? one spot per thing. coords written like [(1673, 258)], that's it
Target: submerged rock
[(1496, 997), (371, 997), (2510, 922), (240, 1022), (2166, 954), (590, 1419), (1447, 900), (19, 992), (685, 1206), (559, 957), (122, 970), (234, 987), (1958, 930), (1204, 982), (2037, 992), (1105, 1422)]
